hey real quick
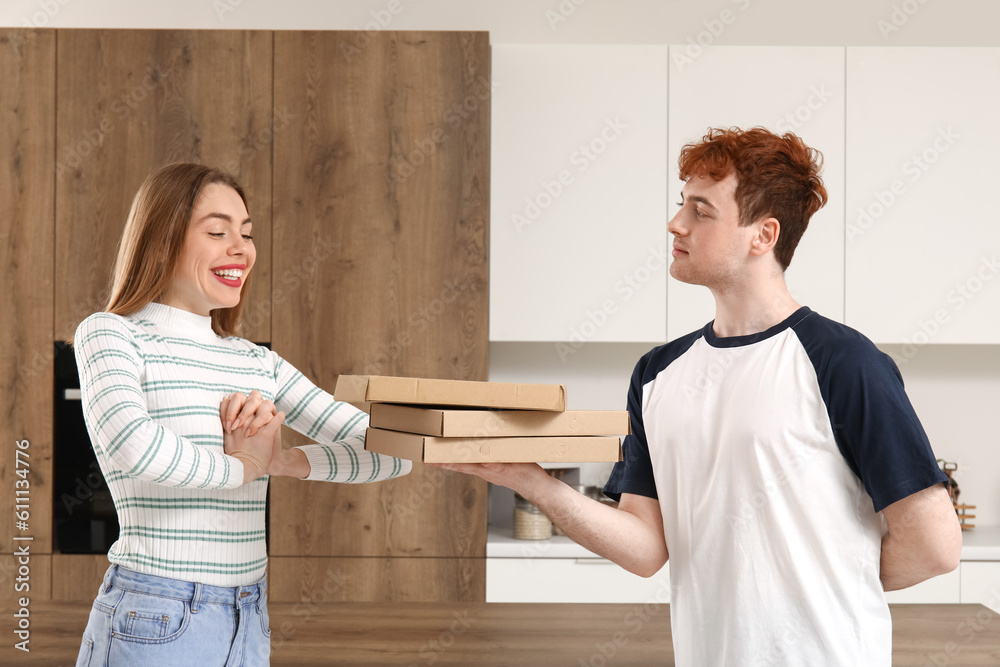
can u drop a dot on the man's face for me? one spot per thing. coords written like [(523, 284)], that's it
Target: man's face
[(710, 247)]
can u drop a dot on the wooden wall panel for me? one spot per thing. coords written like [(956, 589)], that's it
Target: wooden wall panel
[(77, 576), (27, 144), (381, 262), (14, 584), (319, 580), (131, 100)]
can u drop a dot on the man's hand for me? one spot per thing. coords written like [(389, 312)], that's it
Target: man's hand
[(517, 476), (630, 535)]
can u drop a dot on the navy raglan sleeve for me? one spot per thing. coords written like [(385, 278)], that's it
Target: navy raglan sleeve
[(874, 423), (634, 473)]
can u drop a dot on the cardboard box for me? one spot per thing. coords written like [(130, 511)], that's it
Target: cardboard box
[(416, 447), (424, 391), (471, 423)]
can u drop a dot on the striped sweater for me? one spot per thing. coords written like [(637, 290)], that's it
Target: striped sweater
[(151, 384)]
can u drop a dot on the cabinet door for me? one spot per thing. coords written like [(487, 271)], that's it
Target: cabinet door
[(381, 205), (321, 580), (785, 89), (981, 583), (923, 237), (132, 100), (943, 589), (578, 580), (27, 227), (578, 241), (77, 576)]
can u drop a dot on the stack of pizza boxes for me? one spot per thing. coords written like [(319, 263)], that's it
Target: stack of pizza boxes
[(460, 421)]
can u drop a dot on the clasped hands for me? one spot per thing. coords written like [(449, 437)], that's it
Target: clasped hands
[(251, 432)]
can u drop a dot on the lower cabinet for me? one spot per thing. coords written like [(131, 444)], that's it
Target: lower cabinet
[(77, 576), (571, 580), (317, 580), (937, 590), (600, 580), (981, 583)]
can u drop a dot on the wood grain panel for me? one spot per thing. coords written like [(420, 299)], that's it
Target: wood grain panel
[(27, 145), (381, 198), (36, 584), (527, 635), (319, 580), (131, 100), (77, 576)]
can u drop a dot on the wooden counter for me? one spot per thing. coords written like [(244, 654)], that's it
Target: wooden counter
[(506, 634)]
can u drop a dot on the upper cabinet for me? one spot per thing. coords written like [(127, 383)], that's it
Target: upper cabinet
[(785, 89), (381, 241), (922, 235), (27, 234), (904, 250), (585, 179), (578, 242), (128, 101)]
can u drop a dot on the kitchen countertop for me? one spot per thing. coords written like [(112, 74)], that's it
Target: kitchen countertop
[(981, 543), (500, 543), (525, 635)]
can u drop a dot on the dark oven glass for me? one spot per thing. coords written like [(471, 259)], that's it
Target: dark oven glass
[(84, 516)]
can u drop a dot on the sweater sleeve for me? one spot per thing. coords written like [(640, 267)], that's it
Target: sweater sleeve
[(338, 428), (118, 421)]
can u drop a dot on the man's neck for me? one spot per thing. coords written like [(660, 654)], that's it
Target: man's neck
[(752, 308)]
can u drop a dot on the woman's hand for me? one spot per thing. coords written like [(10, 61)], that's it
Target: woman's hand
[(257, 451), (238, 410), (247, 415)]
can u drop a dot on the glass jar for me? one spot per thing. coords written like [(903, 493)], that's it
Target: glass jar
[(529, 522)]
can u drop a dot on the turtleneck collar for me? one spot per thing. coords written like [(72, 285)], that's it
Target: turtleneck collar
[(182, 321)]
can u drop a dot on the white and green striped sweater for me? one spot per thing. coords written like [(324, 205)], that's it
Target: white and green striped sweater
[(151, 385)]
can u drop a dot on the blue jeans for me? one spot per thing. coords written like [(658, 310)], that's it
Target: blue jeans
[(144, 620)]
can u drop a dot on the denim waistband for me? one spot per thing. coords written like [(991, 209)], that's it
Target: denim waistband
[(196, 593)]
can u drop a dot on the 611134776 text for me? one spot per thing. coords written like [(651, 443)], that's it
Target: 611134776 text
[(22, 551)]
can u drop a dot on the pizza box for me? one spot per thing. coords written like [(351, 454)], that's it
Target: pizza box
[(472, 423), (555, 449), (468, 393)]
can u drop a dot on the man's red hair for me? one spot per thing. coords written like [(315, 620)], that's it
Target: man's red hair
[(777, 177)]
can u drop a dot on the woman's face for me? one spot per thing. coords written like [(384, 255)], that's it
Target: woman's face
[(218, 253)]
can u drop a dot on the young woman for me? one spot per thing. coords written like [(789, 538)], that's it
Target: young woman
[(185, 420)]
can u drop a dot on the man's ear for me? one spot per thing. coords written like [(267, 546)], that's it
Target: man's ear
[(766, 236)]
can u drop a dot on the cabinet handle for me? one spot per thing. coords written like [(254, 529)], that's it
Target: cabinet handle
[(72, 394), (594, 561)]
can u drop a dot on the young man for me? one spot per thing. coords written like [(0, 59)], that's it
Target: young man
[(775, 457)]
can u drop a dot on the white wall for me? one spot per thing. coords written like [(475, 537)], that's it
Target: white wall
[(955, 388), (775, 22)]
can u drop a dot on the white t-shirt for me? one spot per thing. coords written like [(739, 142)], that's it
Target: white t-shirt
[(771, 456)]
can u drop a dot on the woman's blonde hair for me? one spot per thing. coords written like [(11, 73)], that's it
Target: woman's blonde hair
[(154, 236)]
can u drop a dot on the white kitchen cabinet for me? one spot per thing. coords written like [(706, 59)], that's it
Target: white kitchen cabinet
[(923, 231), (785, 89), (981, 583), (571, 580), (578, 245), (944, 589)]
